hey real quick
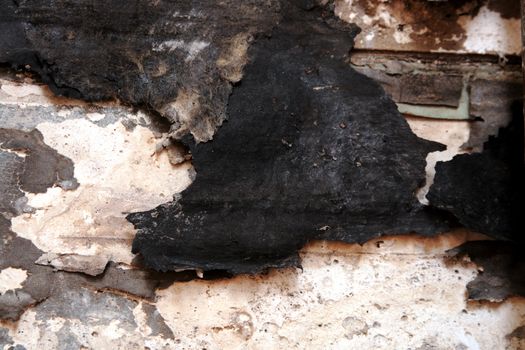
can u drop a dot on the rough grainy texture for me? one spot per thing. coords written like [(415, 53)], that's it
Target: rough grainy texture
[(485, 190), (504, 104), (311, 149), (345, 297), (43, 166), (462, 26), (43, 283), (176, 57), (479, 90), (29, 165), (391, 293), (12, 196), (502, 269), (181, 63)]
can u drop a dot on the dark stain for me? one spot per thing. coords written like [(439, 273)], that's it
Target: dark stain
[(311, 150), (43, 166), (156, 322), (494, 104), (503, 269), (506, 8), (484, 190), (43, 282), (5, 339), (106, 49), (428, 19), (518, 333), (21, 253), (12, 199)]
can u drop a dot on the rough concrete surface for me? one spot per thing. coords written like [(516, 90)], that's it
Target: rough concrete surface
[(390, 293), (394, 292)]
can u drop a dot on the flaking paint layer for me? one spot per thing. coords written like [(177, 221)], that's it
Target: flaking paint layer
[(119, 172)]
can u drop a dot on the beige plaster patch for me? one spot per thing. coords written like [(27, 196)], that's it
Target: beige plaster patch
[(119, 172), (11, 279)]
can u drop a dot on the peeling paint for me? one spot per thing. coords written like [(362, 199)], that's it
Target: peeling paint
[(142, 60), (301, 150), (345, 296), (471, 26), (393, 292), (119, 172), (451, 133)]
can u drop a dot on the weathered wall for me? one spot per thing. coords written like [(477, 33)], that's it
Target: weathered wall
[(467, 26), (438, 60)]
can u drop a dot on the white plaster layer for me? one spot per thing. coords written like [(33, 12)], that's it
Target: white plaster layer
[(451, 133), (27, 93), (11, 279), (397, 292), (37, 333), (387, 25), (489, 32), (391, 293), (119, 172)]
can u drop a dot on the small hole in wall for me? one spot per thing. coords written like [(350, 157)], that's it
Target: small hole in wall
[(477, 118)]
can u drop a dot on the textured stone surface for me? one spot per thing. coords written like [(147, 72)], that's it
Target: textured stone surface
[(391, 293), (151, 50)]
